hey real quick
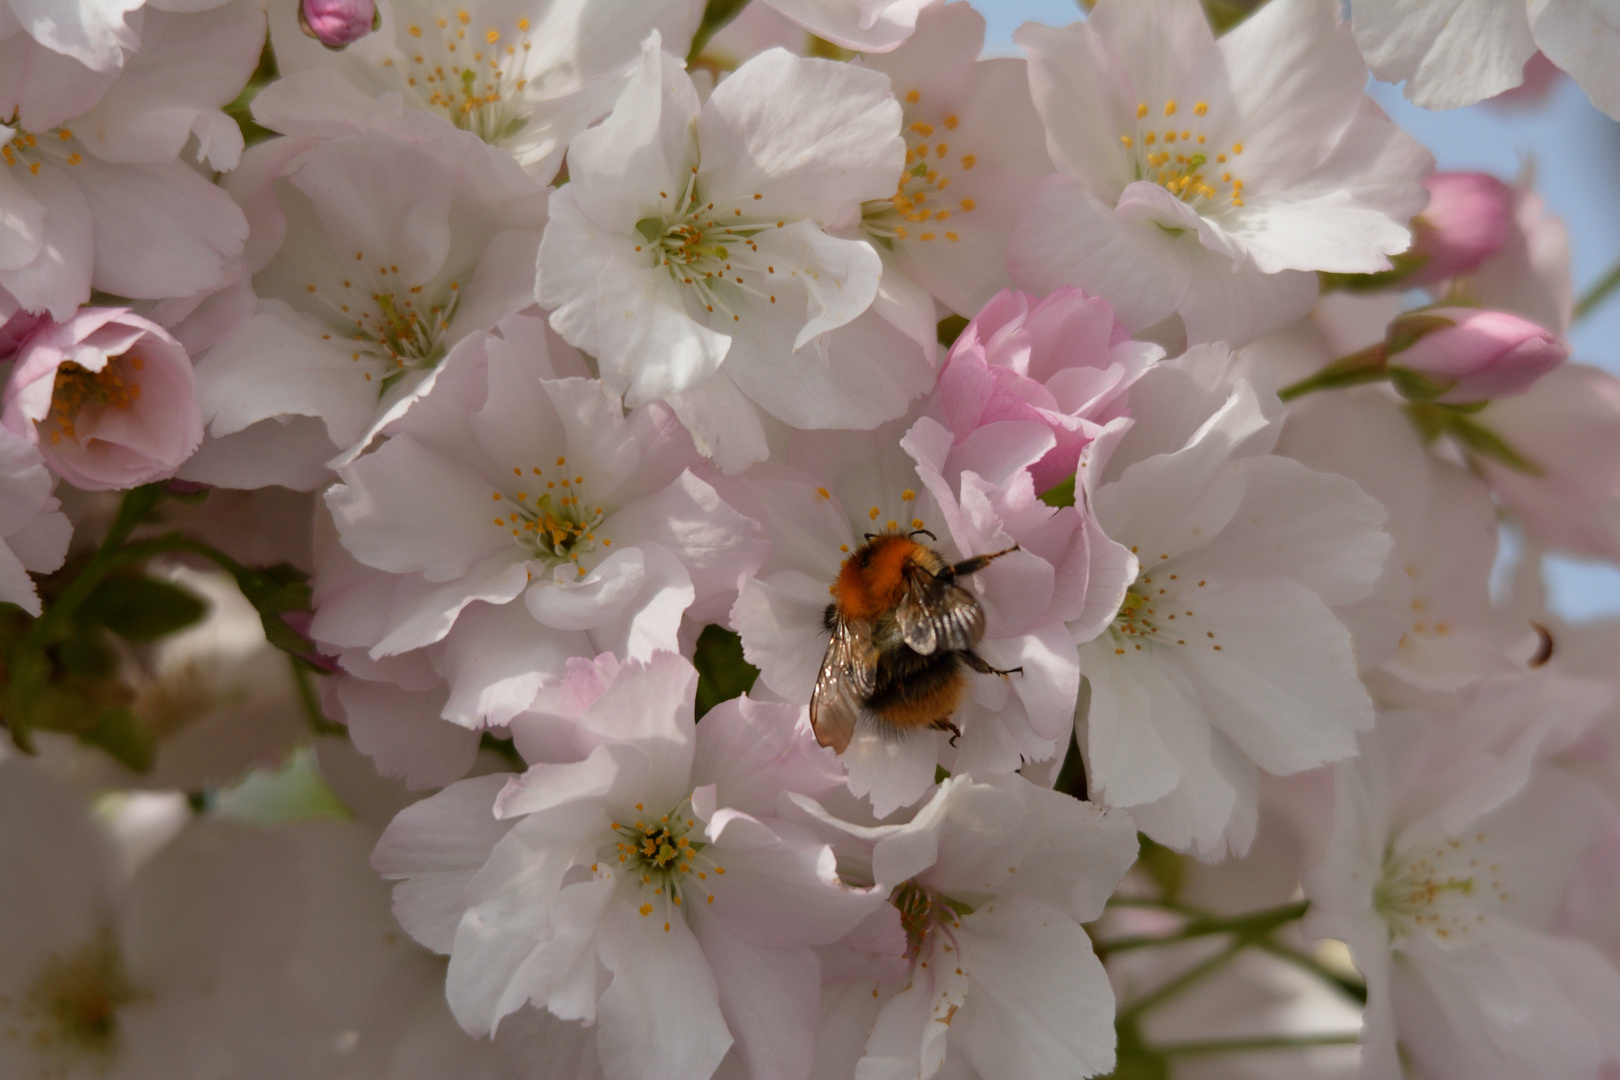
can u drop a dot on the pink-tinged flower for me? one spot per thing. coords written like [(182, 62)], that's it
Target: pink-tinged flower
[(516, 518), (373, 257), (692, 251), (1202, 177), (337, 23), (1464, 355), (875, 26), (1466, 222), (109, 397), (34, 532), (1227, 654), (989, 882), (1062, 361), (202, 955), (1568, 428), (974, 149), (838, 486), (1453, 847), (17, 329), (644, 883), (1459, 53), (1529, 276), (1428, 626), (93, 193), (561, 65)]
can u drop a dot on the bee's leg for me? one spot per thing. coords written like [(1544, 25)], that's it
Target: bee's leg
[(947, 724), (984, 667), (977, 563)]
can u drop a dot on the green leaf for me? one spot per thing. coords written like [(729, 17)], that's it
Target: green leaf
[(120, 734), (1416, 386), (950, 328), (723, 671), (1161, 864), (1405, 331), (1059, 494), (138, 608), (1402, 266), (716, 14)]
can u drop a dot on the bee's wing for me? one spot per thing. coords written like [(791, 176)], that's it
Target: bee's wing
[(937, 616), (847, 678)]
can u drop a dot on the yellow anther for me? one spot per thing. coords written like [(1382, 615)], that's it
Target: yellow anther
[(912, 97), (1141, 110), (907, 495), (1126, 139), (1169, 108), (872, 514), (1201, 108), (1149, 139), (1237, 148), (969, 160), (823, 493)]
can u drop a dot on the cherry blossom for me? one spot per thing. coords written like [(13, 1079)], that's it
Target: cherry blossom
[(356, 315), (1200, 178), (1200, 679), (525, 76), (647, 884), (109, 397), (1452, 846), (94, 192), (34, 532), (974, 149), (521, 518), (840, 486), (1456, 53), (1000, 976), (876, 26), (669, 196)]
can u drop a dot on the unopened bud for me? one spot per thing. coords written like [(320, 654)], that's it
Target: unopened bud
[(1458, 356), (1466, 222), (336, 23)]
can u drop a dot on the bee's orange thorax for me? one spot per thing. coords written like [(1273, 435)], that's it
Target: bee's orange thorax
[(867, 591)]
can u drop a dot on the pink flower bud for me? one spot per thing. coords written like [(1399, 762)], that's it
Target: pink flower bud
[(109, 398), (1467, 221), (1465, 355), (336, 23)]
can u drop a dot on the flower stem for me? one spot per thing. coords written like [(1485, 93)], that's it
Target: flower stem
[(1351, 987), (1187, 978), (1368, 365), (1262, 1042), (1598, 293)]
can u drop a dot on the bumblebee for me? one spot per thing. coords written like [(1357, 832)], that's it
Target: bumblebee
[(902, 630)]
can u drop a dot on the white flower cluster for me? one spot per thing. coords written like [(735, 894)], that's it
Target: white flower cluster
[(801, 552)]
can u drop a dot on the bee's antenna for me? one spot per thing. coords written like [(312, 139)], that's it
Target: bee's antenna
[(870, 536), (926, 533)]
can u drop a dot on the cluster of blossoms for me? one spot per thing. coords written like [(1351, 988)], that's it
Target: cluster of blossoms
[(779, 548)]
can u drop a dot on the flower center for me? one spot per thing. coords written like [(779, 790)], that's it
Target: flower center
[(557, 525), (1170, 148), (472, 77), (72, 1005), (660, 856), (78, 388), (1440, 889), (29, 151), (711, 251), (1154, 610), (923, 911), (919, 208), (396, 326)]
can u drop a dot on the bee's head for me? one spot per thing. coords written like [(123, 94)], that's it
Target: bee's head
[(872, 579)]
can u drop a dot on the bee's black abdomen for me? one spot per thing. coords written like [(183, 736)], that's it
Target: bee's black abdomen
[(829, 618), (904, 675)]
